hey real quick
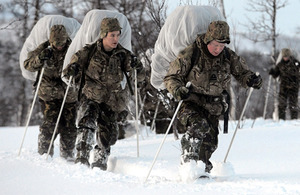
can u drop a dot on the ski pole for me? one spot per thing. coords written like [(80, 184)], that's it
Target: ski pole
[(267, 96), (31, 109), (59, 115), (142, 110), (169, 127), (154, 117), (136, 114), (242, 114)]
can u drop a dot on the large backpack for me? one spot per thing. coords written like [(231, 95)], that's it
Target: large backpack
[(41, 33), (89, 32), (180, 30)]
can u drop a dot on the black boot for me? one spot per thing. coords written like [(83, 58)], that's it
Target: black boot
[(190, 148), (100, 158), (83, 154), (84, 146)]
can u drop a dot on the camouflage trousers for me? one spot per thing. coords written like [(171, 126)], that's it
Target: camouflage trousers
[(201, 138), (66, 127), (286, 95), (94, 118)]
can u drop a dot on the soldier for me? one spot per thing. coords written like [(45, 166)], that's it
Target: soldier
[(50, 55), (288, 71), (100, 69), (208, 65)]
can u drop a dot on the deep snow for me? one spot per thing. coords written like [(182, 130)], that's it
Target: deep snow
[(263, 160)]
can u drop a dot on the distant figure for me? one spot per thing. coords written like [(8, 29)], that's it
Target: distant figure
[(50, 55), (288, 72)]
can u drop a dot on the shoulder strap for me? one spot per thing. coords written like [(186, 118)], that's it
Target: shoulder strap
[(195, 55), (90, 55)]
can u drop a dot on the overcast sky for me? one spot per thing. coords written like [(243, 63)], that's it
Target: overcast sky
[(288, 18)]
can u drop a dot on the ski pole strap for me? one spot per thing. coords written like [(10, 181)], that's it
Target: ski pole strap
[(128, 82), (226, 114)]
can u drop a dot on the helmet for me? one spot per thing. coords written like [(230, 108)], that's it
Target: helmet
[(219, 31), (109, 25), (58, 36), (286, 52)]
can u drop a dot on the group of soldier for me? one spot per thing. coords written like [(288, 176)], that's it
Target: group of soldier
[(96, 106)]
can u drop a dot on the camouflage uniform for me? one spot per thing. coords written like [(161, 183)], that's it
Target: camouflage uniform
[(102, 98), (165, 110), (288, 71), (209, 76), (51, 93)]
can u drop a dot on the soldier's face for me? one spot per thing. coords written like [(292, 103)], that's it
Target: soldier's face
[(111, 40), (286, 58), (215, 48)]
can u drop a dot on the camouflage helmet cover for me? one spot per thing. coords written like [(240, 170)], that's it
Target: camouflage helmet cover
[(109, 25), (286, 52), (219, 31), (58, 36)]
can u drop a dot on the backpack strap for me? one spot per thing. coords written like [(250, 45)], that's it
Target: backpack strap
[(195, 55), (85, 67)]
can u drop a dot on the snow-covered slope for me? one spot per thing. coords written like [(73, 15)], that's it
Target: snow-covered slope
[(263, 160)]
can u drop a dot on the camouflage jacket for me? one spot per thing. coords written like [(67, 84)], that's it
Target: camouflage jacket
[(52, 87), (103, 75), (209, 75), (288, 72)]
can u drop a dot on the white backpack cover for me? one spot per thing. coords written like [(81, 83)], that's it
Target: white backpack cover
[(41, 33), (89, 32), (180, 30)]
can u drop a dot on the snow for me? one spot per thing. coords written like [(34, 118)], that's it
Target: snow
[(262, 160)]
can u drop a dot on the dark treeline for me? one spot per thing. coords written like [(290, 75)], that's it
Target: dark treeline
[(146, 19)]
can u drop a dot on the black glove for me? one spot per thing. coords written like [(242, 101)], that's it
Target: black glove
[(133, 61), (272, 72), (73, 69), (181, 93), (46, 54), (255, 81)]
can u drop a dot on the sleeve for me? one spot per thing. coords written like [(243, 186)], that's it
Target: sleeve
[(179, 70), (140, 71), (33, 63), (80, 58), (239, 68), (276, 71)]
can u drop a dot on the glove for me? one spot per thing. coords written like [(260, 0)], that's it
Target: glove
[(73, 69), (133, 61), (182, 93), (271, 72), (255, 81), (46, 54)]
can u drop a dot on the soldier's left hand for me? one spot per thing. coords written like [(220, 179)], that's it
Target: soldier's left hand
[(46, 54), (133, 61), (255, 81)]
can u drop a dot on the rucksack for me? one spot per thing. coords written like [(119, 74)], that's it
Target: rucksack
[(180, 30), (89, 33), (41, 33)]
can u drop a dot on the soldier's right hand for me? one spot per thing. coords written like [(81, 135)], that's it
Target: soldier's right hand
[(73, 69), (46, 54), (181, 93), (272, 72)]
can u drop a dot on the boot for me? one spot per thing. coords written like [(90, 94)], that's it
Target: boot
[(67, 154), (84, 146), (100, 158), (190, 148)]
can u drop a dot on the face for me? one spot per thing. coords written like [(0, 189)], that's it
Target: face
[(286, 58), (215, 48), (111, 40), (59, 47)]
